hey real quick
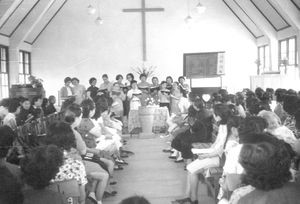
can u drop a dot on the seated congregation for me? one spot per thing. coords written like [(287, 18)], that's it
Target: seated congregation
[(57, 155), (240, 146), (244, 149)]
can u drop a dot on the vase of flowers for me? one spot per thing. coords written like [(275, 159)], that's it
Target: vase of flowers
[(35, 82), (148, 70)]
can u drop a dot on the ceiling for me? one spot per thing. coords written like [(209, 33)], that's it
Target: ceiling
[(14, 12)]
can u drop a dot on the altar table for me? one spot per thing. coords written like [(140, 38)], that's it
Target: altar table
[(161, 114)]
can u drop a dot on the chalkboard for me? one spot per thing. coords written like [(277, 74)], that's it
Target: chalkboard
[(199, 65)]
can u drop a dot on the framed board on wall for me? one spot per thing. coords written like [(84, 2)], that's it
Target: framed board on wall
[(203, 65)]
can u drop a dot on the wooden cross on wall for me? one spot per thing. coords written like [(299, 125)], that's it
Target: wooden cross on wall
[(143, 11)]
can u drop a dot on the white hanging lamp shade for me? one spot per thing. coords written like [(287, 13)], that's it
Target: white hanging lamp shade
[(91, 10), (188, 19), (99, 21), (200, 8)]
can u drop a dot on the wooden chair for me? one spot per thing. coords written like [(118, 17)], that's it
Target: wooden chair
[(69, 188), (212, 181)]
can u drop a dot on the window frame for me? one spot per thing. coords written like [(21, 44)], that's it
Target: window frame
[(287, 51), (262, 62), (6, 48), (23, 63)]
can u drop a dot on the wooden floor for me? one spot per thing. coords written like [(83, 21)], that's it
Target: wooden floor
[(150, 174)]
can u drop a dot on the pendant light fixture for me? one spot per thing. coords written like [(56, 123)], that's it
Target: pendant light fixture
[(200, 8), (189, 18), (91, 10), (99, 20)]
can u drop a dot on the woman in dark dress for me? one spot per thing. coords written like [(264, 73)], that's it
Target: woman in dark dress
[(24, 113), (92, 90), (169, 81), (126, 102)]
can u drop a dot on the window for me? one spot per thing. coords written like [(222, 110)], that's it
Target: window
[(264, 59), (288, 52), (24, 67), (4, 78)]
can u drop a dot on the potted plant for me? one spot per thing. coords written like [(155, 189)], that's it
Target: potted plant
[(35, 82)]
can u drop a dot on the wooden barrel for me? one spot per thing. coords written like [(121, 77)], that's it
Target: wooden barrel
[(146, 116)]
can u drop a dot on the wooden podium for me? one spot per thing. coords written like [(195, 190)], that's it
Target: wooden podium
[(27, 92)]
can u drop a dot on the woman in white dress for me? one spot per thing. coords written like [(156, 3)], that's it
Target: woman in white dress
[(79, 91)]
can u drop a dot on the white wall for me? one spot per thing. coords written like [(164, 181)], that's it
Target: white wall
[(73, 45)]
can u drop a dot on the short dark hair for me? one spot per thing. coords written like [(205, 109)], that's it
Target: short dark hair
[(250, 126), (14, 103), (23, 99), (143, 75), (75, 79), (198, 102), (67, 79), (133, 82), (259, 92), (135, 200), (253, 105), (41, 165), (154, 78), (7, 136), (119, 76), (104, 76), (5, 102), (87, 106), (266, 164), (10, 188), (291, 104), (35, 99), (131, 75), (61, 135), (51, 98), (181, 77), (92, 80), (72, 112), (223, 111), (163, 82), (280, 93), (169, 77), (101, 106), (223, 92)]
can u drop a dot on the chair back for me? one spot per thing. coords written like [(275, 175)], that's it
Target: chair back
[(68, 188)]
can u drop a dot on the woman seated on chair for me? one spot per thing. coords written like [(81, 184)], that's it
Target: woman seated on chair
[(267, 169), (61, 135), (73, 117), (232, 169), (211, 157), (13, 110), (92, 132), (39, 167)]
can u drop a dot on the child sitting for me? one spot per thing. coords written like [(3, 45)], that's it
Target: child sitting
[(51, 108)]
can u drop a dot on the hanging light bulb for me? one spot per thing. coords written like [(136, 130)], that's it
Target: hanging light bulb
[(99, 21), (200, 8), (91, 10), (188, 19)]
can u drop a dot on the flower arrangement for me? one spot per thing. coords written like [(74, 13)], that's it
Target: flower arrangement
[(144, 69), (35, 82), (150, 101)]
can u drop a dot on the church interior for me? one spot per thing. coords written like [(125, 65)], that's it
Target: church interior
[(149, 101)]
